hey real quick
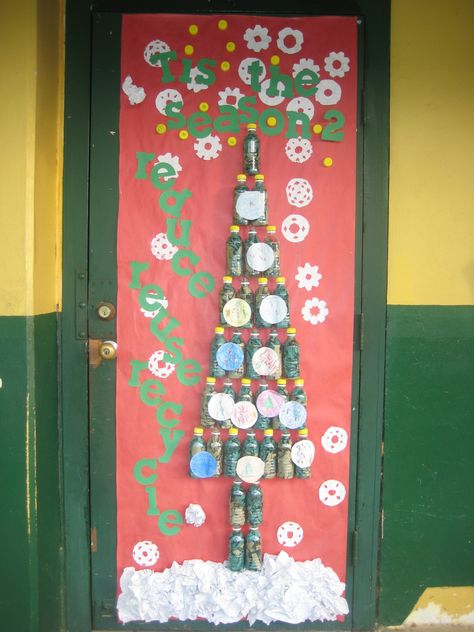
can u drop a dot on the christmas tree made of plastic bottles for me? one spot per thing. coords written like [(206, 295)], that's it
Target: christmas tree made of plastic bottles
[(254, 313)]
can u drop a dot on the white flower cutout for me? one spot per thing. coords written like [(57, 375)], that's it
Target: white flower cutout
[(328, 92), (336, 64), (305, 64), (230, 96), (308, 276), (290, 41), (257, 38), (308, 313)]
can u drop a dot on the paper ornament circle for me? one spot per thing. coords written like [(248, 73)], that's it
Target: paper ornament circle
[(220, 406), (302, 453), (250, 204), (265, 361), (334, 440), (273, 309), (269, 403), (145, 553), (332, 492), (203, 465), (289, 534), (293, 415), (250, 469), (237, 312), (295, 228), (244, 415), (260, 257), (299, 192), (230, 356)]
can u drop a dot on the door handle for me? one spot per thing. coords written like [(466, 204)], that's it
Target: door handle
[(108, 350)]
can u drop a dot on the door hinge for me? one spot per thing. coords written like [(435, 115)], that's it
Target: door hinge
[(359, 332), (81, 305), (94, 540), (354, 547)]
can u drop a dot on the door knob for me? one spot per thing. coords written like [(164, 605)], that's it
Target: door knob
[(106, 311), (108, 350)]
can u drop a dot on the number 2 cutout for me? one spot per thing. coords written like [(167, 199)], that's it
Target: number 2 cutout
[(330, 131)]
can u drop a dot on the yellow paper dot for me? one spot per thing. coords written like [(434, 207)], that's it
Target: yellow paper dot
[(327, 162), (193, 29), (204, 106), (230, 46), (225, 66), (184, 134), (232, 141), (160, 128), (222, 24), (188, 50), (271, 121), (317, 129), (274, 60)]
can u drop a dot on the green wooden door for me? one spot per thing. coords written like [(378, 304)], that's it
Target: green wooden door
[(102, 289)]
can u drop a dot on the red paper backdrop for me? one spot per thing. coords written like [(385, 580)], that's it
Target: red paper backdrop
[(326, 348)]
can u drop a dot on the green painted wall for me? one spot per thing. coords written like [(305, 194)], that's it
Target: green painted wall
[(429, 447)]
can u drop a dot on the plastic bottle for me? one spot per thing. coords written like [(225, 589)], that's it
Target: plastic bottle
[(238, 190), (214, 447), (250, 445), (251, 151), (253, 550), (236, 550), (234, 253), (246, 294), (254, 343), (262, 421), (262, 220), (268, 454), (214, 369), (206, 420), (196, 445), (272, 241), (245, 394), (228, 389), (237, 505), (273, 342), (281, 390), (250, 241), (282, 292), (225, 295), (285, 466), (291, 355), (260, 294), (298, 394), (239, 372), (231, 452), (255, 505), (302, 472)]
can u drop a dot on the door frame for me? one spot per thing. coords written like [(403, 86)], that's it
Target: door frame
[(372, 195)]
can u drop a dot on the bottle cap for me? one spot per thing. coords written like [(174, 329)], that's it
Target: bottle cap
[(262, 280), (227, 279), (268, 432), (252, 126), (219, 330), (211, 380), (282, 381), (241, 176), (246, 381), (271, 229), (260, 177), (234, 229), (198, 431), (303, 432), (280, 279), (299, 381), (291, 330), (233, 432)]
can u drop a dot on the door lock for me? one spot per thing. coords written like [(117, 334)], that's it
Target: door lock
[(108, 350), (106, 311)]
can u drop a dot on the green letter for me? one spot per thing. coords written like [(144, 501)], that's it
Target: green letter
[(152, 507), (137, 368), (252, 113), (188, 366), (150, 296), (175, 107), (143, 158), (306, 77), (138, 471), (165, 171), (171, 225), (184, 254), (164, 58), (161, 410), (206, 281), (207, 77), (229, 122), (137, 269), (173, 517), (172, 201), (197, 120), (275, 79), (151, 386), (171, 438), (295, 118), (271, 131)]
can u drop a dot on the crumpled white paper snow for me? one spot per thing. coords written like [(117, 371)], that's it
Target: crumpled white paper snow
[(195, 515), (284, 590), (135, 94)]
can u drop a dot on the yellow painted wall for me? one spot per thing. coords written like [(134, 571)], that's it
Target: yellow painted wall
[(31, 70), (431, 214)]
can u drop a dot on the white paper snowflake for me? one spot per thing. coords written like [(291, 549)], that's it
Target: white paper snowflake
[(166, 96), (298, 149), (336, 64), (295, 228), (145, 553), (208, 148), (312, 304), (160, 303), (299, 192), (305, 64), (328, 93), (332, 492), (257, 38), (230, 96), (193, 85), (152, 49), (135, 94), (301, 104), (266, 98), (158, 366), (162, 248), (170, 160), (295, 43), (244, 73), (308, 276)]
